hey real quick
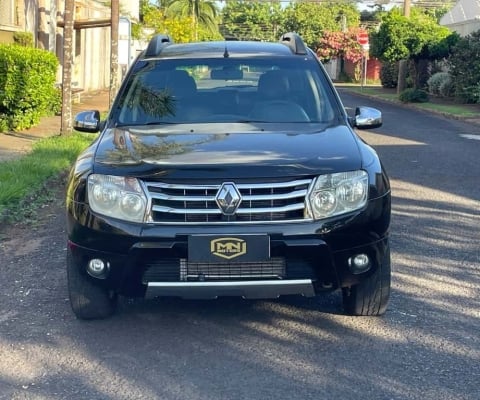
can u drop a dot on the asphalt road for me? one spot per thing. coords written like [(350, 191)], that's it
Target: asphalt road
[(427, 346)]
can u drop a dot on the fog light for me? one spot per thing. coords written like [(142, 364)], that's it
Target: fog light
[(359, 263), (97, 268)]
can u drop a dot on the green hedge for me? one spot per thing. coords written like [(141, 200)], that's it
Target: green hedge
[(27, 86), (412, 95), (389, 74), (465, 68)]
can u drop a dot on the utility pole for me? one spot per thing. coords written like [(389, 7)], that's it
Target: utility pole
[(402, 64), (66, 118), (115, 16)]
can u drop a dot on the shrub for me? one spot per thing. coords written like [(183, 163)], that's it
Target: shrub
[(440, 84), (447, 88), (412, 95), (344, 77), (27, 86), (465, 68), (389, 75), (470, 93), (23, 39)]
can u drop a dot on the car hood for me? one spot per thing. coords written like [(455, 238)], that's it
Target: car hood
[(237, 150)]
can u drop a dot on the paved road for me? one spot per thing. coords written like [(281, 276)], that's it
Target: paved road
[(427, 346)]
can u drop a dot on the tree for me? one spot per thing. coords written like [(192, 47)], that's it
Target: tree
[(416, 38), (439, 11), (310, 19), (179, 28), (115, 15), (203, 13), (161, 18), (390, 42), (245, 20), (340, 45), (69, 16)]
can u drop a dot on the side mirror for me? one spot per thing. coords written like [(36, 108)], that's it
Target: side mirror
[(87, 121), (367, 118)]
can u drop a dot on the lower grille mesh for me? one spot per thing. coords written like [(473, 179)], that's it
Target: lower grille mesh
[(177, 270), (275, 268)]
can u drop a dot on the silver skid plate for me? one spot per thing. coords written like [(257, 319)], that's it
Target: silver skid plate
[(266, 289)]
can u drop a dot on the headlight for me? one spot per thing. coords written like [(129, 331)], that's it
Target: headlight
[(117, 197), (336, 194)]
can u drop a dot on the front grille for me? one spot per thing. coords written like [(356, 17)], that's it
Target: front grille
[(261, 202), (180, 270)]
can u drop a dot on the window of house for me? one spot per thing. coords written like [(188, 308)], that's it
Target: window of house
[(7, 16)]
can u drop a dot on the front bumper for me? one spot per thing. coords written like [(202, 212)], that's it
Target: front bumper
[(153, 260)]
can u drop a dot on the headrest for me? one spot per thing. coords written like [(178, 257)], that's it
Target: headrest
[(180, 83), (273, 85)]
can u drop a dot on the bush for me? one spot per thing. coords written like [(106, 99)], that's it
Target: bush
[(413, 96), (447, 88), (471, 94), (440, 84), (23, 39), (465, 68), (389, 75), (27, 86), (344, 77)]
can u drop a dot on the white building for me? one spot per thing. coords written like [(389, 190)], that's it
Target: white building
[(44, 19), (463, 18)]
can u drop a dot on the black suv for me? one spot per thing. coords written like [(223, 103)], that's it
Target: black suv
[(227, 169)]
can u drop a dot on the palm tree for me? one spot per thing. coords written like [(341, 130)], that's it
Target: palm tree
[(203, 12)]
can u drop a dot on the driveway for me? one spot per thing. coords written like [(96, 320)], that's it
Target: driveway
[(427, 345)]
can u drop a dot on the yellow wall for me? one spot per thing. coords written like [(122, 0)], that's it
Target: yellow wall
[(6, 36)]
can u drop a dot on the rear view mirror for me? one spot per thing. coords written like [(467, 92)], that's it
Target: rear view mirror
[(227, 74)]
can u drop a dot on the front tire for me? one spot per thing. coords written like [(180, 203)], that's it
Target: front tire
[(370, 297), (88, 301)]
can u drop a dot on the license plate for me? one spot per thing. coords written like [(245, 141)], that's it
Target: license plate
[(232, 249)]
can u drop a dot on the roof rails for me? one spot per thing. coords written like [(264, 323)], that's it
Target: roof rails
[(295, 42), (156, 44)]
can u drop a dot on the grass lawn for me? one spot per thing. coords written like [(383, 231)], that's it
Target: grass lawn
[(460, 110), (376, 92), (24, 182)]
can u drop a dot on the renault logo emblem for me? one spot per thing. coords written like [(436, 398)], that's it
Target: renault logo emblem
[(228, 198)]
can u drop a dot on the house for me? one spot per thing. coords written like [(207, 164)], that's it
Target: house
[(13, 18), (463, 18), (44, 19)]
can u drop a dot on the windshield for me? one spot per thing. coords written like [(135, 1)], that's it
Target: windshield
[(226, 90)]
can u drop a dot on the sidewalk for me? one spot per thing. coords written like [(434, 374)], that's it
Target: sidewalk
[(14, 144)]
